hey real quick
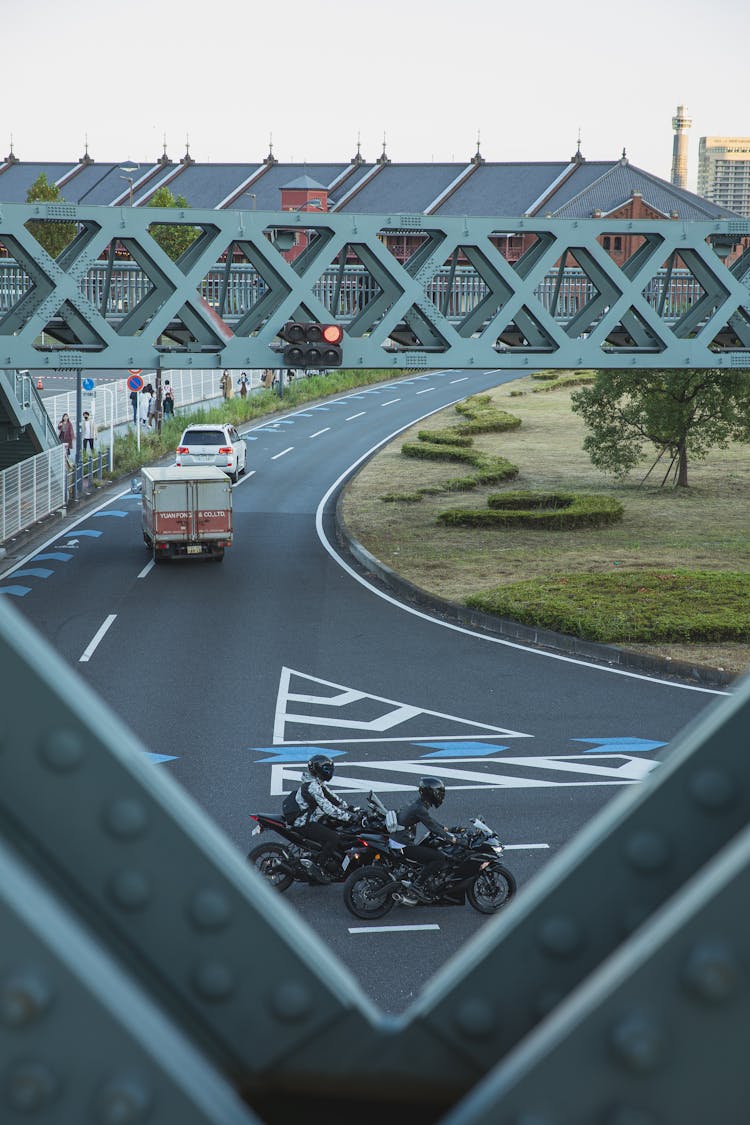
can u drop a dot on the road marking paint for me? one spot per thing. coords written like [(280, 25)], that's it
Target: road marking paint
[(89, 651), (34, 572), (147, 569), (426, 390), (277, 455), (390, 402), (56, 556), (319, 432), (522, 847), (464, 380), (391, 929), (353, 416)]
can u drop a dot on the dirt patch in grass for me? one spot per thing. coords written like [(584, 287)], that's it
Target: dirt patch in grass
[(706, 527)]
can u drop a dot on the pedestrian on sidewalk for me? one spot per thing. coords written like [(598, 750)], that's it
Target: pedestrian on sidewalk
[(65, 433)]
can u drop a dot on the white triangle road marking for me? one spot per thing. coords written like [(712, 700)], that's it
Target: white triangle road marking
[(393, 714)]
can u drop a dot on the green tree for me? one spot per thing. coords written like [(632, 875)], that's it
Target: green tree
[(680, 413), (173, 238), (54, 236)]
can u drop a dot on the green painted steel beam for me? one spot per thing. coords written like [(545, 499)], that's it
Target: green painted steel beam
[(620, 325)]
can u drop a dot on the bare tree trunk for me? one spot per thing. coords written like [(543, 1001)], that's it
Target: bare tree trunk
[(682, 468)]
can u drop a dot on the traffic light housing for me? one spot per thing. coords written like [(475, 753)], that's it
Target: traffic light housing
[(312, 345)]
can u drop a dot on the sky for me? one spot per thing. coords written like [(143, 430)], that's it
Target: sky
[(314, 76)]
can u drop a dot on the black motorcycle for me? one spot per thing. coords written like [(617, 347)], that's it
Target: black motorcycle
[(472, 871), (282, 863)]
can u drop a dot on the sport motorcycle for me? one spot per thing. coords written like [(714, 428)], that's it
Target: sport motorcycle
[(472, 872), (296, 858)]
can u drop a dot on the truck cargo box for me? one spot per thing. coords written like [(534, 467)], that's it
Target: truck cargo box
[(187, 512)]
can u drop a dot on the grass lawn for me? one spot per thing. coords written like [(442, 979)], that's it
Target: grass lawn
[(703, 528)]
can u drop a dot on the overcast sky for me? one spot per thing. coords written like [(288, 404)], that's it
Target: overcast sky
[(315, 74)]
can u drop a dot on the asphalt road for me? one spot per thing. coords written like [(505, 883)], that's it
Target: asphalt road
[(234, 672)]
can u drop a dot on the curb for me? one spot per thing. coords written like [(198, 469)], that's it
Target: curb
[(509, 630)]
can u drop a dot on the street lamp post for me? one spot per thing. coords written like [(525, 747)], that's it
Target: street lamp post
[(130, 168)]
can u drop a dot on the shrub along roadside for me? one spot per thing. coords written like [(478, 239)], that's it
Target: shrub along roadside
[(638, 606), (547, 511), (155, 446)]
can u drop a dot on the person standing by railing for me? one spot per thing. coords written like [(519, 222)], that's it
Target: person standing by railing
[(65, 433)]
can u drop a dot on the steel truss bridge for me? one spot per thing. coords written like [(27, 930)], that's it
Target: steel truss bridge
[(681, 298)]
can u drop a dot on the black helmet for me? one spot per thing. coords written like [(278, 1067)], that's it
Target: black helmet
[(432, 791), (320, 766)]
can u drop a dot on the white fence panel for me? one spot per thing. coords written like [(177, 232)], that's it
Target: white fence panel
[(30, 490)]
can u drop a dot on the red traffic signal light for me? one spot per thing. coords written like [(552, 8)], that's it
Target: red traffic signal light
[(312, 345)]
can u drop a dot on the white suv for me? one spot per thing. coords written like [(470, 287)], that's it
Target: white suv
[(212, 444)]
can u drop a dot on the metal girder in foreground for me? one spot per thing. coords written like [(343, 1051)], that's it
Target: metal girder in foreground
[(405, 319), (106, 863)]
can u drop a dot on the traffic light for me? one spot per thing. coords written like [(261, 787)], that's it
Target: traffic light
[(312, 345)]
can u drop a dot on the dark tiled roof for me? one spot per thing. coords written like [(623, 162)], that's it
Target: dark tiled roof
[(502, 189), (403, 188), (565, 189), (615, 186)]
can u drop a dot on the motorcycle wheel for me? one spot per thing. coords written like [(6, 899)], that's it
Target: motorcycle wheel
[(266, 859), (492, 888), (362, 893)]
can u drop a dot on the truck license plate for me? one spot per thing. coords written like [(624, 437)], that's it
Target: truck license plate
[(194, 550)]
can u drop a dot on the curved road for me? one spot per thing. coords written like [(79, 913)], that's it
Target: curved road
[(234, 672)]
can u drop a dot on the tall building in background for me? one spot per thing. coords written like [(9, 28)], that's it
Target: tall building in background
[(724, 172), (680, 123)]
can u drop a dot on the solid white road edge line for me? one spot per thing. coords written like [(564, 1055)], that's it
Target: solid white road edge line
[(89, 650)]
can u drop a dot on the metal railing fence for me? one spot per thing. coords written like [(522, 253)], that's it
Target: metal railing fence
[(31, 490), (346, 293)]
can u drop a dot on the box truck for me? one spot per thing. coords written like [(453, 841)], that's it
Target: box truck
[(186, 512)]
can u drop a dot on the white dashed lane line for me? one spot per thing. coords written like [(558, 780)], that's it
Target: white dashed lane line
[(353, 416), (90, 648), (464, 380), (319, 432), (426, 390), (283, 452), (147, 569), (390, 402), (391, 929)]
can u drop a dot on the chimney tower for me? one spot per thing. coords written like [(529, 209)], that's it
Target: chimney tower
[(680, 123)]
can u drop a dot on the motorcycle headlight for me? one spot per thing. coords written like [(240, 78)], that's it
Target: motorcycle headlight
[(497, 849)]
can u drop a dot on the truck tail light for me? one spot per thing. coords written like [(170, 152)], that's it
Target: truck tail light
[(225, 449)]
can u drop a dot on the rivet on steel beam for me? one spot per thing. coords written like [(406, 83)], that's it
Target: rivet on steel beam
[(647, 850), (62, 751), (214, 981), (209, 909), (126, 817), (713, 788), (711, 972), (123, 1101), (30, 1085), (291, 1001), (23, 998), (476, 1018), (130, 889), (637, 1043), (560, 936)]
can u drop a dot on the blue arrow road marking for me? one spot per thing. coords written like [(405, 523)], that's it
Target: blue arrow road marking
[(33, 572), (462, 749), (91, 534), (57, 556), (16, 591), (294, 753), (621, 745), (156, 758), (108, 512)]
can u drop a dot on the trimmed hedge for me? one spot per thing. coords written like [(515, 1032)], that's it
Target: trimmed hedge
[(548, 511), (640, 606), (483, 417)]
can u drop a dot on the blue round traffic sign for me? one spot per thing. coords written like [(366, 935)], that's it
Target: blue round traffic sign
[(87, 384), (135, 383)]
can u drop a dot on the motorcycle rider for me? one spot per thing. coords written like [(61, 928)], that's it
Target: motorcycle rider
[(431, 794), (316, 802)]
